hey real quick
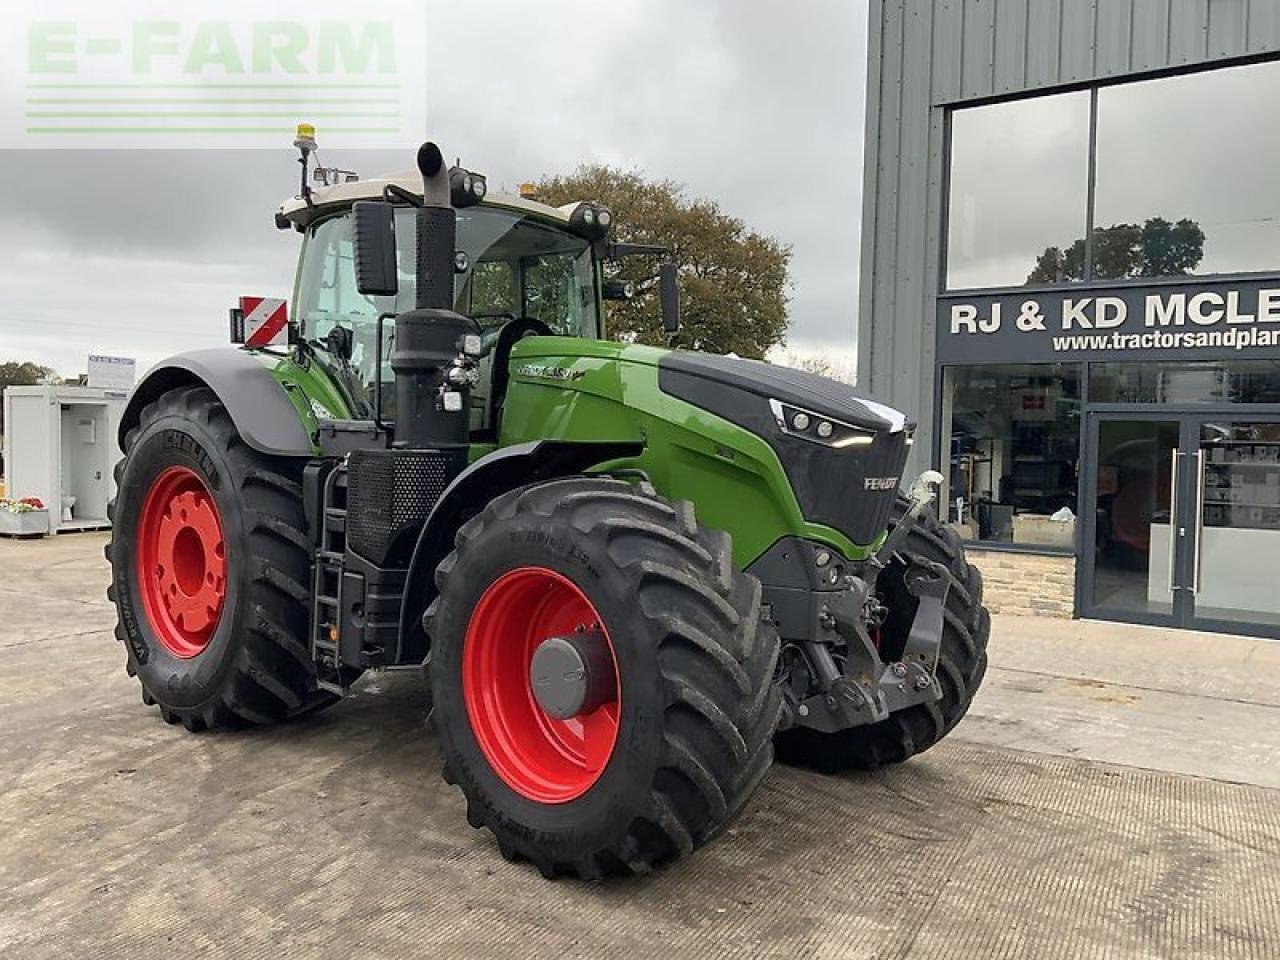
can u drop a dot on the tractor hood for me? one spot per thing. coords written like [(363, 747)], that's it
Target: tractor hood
[(798, 388), (843, 454)]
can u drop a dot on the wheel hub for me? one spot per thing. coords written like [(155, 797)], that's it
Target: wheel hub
[(572, 675), (540, 684), (182, 563)]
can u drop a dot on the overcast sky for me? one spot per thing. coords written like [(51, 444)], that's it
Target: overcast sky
[(753, 103)]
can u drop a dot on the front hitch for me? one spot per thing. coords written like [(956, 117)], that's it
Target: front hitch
[(866, 689)]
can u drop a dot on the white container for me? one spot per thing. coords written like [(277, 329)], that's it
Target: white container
[(61, 441)]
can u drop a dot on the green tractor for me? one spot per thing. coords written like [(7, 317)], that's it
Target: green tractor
[(630, 574)]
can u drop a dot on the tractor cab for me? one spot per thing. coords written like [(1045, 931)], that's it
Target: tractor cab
[(521, 268)]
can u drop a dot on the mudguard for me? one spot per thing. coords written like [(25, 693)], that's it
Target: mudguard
[(491, 476), (255, 400)]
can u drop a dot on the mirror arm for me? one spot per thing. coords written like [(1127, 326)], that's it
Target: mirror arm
[(616, 251)]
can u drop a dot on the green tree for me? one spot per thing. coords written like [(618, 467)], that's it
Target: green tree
[(24, 373), (1157, 248), (733, 281)]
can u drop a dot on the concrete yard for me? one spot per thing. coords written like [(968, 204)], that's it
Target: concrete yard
[(1115, 792)]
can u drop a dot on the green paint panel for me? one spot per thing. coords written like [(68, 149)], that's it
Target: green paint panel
[(572, 389)]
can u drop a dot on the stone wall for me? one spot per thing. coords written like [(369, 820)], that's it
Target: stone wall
[(1022, 583)]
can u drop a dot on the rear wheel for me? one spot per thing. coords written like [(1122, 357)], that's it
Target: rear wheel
[(962, 662), (601, 678), (210, 568)]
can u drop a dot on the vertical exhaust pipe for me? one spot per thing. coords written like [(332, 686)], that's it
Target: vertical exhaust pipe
[(437, 224), (431, 412)]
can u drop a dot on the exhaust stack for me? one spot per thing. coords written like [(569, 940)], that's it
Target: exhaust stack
[(431, 410)]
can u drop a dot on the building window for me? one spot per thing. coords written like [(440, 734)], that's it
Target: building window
[(1186, 175), (1019, 191), (1184, 172), (1223, 381), (1013, 436)]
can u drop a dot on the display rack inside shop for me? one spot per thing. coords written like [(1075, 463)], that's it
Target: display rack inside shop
[(1242, 484)]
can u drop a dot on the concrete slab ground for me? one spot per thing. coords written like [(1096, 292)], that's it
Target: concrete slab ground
[(1114, 793)]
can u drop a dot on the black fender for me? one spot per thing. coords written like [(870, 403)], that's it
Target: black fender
[(518, 465), (261, 410)]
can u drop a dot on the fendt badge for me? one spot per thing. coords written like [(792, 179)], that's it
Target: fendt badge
[(880, 483)]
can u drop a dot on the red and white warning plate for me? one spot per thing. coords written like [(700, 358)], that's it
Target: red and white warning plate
[(266, 322)]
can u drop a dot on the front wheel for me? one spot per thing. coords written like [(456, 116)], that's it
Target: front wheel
[(601, 677)]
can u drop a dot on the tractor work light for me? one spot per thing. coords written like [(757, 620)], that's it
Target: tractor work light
[(589, 220), (816, 428), (466, 189), (619, 289)]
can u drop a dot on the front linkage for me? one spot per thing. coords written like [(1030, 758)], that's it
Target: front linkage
[(850, 684)]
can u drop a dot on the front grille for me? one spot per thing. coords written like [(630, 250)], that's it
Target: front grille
[(390, 495), (853, 489)]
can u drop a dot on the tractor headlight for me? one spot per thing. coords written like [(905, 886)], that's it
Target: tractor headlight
[(817, 428), (466, 189)]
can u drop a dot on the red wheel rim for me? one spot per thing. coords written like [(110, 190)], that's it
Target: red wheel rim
[(182, 562), (538, 756)]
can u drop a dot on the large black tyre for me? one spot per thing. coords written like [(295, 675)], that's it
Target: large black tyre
[(697, 705), (251, 663), (962, 662)]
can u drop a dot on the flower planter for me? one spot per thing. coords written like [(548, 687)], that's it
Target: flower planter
[(32, 523)]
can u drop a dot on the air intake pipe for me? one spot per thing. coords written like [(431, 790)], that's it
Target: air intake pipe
[(431, 410)]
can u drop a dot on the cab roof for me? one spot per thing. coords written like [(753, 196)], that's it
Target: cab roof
[(326, 199)]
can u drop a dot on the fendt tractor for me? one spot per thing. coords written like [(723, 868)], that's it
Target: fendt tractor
[(629, 574)]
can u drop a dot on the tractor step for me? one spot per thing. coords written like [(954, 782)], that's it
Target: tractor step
[(326, 587)]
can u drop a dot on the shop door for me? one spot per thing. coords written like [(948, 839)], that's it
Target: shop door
[(1232, 575), (1185, 521), (1130, 554)]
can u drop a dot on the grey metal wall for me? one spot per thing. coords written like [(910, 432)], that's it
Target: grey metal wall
[(928, 54)]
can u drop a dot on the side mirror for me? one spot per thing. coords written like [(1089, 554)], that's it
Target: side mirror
[(373, 233), (669, 293)]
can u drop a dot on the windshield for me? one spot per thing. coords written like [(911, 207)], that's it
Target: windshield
[(518, 267)]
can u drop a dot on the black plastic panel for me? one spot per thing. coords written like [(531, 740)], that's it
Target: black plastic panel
[(851, 489), (390, 494)]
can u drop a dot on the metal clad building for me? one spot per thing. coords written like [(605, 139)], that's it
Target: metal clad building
[(1043, 168)]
